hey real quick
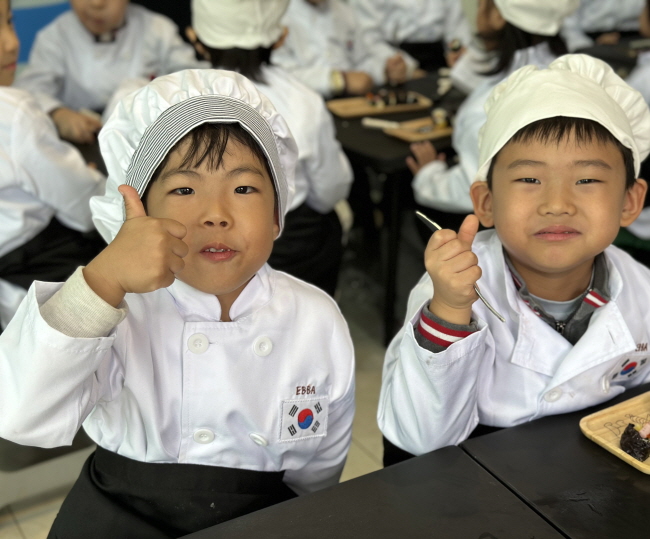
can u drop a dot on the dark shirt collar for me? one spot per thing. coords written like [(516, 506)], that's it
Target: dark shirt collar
[(595, 296)]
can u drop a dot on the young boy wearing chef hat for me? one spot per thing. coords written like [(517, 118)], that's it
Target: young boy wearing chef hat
[(559, 157), (240, 35), (516, 33), (212, 384)]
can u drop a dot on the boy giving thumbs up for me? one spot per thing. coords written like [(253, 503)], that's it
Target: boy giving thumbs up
[(182, 353)]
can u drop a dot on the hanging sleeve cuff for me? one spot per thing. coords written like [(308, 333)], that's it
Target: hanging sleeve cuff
[(76, 311), (436, 335)]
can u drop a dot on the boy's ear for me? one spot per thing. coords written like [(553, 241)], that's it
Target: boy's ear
[(198, 46), (276, 223), (633, 203), (482, 200)]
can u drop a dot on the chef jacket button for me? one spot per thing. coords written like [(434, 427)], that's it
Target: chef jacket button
[(203, 436), (605, 384), (198, 343), (259, 439), (262, 346), (553, 395)]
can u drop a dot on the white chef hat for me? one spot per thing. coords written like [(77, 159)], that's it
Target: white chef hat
[(541, 17), (244, 24), (575, 86), (147, 123)]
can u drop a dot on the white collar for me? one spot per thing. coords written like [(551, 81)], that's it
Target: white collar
[(197, 306)]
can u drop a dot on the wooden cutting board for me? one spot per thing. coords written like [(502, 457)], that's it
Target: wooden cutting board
[(419, 130), (352, 107), (606, 426)]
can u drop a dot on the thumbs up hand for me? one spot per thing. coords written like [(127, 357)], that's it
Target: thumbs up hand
[(144, 256), (454, 270)]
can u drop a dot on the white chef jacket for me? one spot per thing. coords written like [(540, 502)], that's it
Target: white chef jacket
[(639, 78), (323, 172), (41, 177), (67, 67), (325, 38), (600, 16), (467, 74), (508, 373), (171, 383), (413, 21), (447, 188)]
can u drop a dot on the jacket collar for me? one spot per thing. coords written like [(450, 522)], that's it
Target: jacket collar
[(538, 346), (595, 296), (197, 306)]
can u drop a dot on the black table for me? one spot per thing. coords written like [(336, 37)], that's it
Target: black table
[(444, 494), (91, 154), (386, 155), (579, 487)]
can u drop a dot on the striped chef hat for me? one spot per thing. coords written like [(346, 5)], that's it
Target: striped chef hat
[(574, 86), (146, 124)]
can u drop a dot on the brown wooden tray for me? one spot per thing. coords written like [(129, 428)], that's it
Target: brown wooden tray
[(606, 426), (352, 107), (410, 130)]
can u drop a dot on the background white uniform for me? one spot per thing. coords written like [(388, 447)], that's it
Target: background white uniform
[(325, 38), (67, 67), (600, 16), (41, 177), (413, 21), (323, 172), (508, 373)]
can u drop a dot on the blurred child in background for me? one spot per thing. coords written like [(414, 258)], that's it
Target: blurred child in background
[(422, 28), (327, 50), (45, 187), (601, 22), (79, 59)]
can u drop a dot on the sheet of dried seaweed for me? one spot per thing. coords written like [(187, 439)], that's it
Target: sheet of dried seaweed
[(633, 444)]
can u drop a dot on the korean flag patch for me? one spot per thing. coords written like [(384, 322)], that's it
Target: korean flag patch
[(303, 418)]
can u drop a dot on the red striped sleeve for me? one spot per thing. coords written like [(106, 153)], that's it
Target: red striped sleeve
[(438, 334)]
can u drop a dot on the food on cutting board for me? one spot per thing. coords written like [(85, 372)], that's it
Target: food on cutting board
[(384, 98), (635, 441)]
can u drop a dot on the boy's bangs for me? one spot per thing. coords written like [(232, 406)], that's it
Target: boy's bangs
[(560, 128), (207, 144)]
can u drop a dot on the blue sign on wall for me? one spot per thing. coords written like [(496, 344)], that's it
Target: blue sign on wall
[(29, 20)]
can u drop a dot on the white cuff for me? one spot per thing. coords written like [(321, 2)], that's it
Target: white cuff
[(76, 311)]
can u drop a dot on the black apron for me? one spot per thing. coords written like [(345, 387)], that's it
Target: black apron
[(310, 247), (53, 255), (117, 497)]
